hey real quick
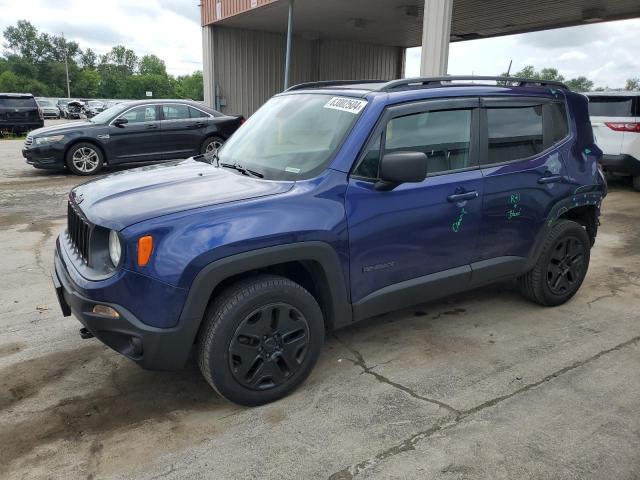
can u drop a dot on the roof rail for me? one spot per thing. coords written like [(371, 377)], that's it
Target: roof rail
[(442, 81), (330, 83)]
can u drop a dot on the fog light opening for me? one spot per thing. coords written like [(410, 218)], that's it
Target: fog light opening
[(136, 346), (105, 311)]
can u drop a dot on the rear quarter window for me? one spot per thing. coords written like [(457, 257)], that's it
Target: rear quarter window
[(17, 102), (600, 106)]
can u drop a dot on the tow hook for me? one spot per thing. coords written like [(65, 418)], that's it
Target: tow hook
[(85, 334)]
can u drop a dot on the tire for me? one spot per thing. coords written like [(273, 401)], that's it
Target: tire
[(84, 159), (636, 183), (210, 144), (260, 339), (561, 266)]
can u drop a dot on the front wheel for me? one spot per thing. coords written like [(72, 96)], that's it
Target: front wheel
[(260, 339), (636, 183), (561, 266), (84, 159)]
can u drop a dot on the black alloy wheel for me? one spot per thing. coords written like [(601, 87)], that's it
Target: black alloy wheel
[(269, 346), (566, 265), (561, 266), (260, 339)]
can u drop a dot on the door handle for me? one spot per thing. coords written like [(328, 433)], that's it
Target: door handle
[(459, 197), (151, 127), (550, 179)]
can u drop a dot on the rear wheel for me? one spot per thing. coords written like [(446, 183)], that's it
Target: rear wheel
[(636, 183), (84, 159), (211, 144), (260, 340), (561, 267)]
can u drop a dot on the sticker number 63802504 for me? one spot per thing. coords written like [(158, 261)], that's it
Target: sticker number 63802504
[(351, 105)]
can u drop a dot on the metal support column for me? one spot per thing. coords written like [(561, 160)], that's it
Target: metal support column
[(436, 30), (208, 66), (287, 62)]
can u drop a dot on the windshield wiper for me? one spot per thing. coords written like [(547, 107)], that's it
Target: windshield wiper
[(241, 169)]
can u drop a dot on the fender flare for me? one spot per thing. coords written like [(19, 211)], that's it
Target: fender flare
[(214, 273), (593, 198)]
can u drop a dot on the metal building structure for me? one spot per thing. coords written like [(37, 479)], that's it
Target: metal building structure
[(245, 41)]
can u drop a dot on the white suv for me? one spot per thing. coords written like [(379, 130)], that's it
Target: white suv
[(615, 117)]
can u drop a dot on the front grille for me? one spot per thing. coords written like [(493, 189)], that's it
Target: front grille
[(28, 141), (79, 231)]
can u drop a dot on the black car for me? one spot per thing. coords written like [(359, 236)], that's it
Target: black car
[(140, 131), (19, 113)]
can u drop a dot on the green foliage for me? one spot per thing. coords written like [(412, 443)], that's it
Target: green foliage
[(152, 65), (192, 86), (579, 84), (633, 84), (34, 62)]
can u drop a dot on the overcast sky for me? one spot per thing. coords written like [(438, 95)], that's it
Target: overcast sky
[(607, 53)]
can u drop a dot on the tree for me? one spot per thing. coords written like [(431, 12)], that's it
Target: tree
[(152, 65), (192, 86), (633, 84), (8, 81), (580, 84), (122, 57), (87, 84), (24, 41), (35, 62), (88, 59)]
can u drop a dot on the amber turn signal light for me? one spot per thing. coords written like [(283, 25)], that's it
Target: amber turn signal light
[(145, 248)]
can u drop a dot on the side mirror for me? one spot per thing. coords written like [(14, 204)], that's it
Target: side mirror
[(120, 121), (401, 167)]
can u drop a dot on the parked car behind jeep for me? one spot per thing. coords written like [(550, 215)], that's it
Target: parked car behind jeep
[(333, 203), (19, 113), (139, 131), (49, 108), (615, 117)]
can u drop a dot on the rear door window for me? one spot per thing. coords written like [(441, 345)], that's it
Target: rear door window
[(195, 113), (559, 126), (614, 106), (514, 133), (175, 112)]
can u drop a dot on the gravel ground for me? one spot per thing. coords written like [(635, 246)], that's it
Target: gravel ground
[(480, 385)]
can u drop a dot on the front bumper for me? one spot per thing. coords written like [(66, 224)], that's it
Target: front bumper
[(46, 156), (151, 347), (623, 164)]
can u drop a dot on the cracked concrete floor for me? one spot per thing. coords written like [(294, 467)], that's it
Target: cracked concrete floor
[(480, 385)]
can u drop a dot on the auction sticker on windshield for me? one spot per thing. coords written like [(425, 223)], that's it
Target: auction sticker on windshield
[(351, 105)]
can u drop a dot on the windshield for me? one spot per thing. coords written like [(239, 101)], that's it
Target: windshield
[(46, 103), (109, 114), (95, 103), (292, 137)]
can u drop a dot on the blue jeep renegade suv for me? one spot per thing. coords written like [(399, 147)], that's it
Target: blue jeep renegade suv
[(335, 202)]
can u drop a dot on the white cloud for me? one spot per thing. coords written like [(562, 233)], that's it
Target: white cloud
[(605, 53), (169, 29), (573, 55)]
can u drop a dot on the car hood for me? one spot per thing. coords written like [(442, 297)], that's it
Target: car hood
[(62, 128), (124, 198)]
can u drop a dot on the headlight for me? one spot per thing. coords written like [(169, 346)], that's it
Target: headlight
[(52, 139), (115, 248)]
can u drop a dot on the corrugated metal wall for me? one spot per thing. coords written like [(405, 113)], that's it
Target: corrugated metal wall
[(349, 60), (210, 11), (248, 66)]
